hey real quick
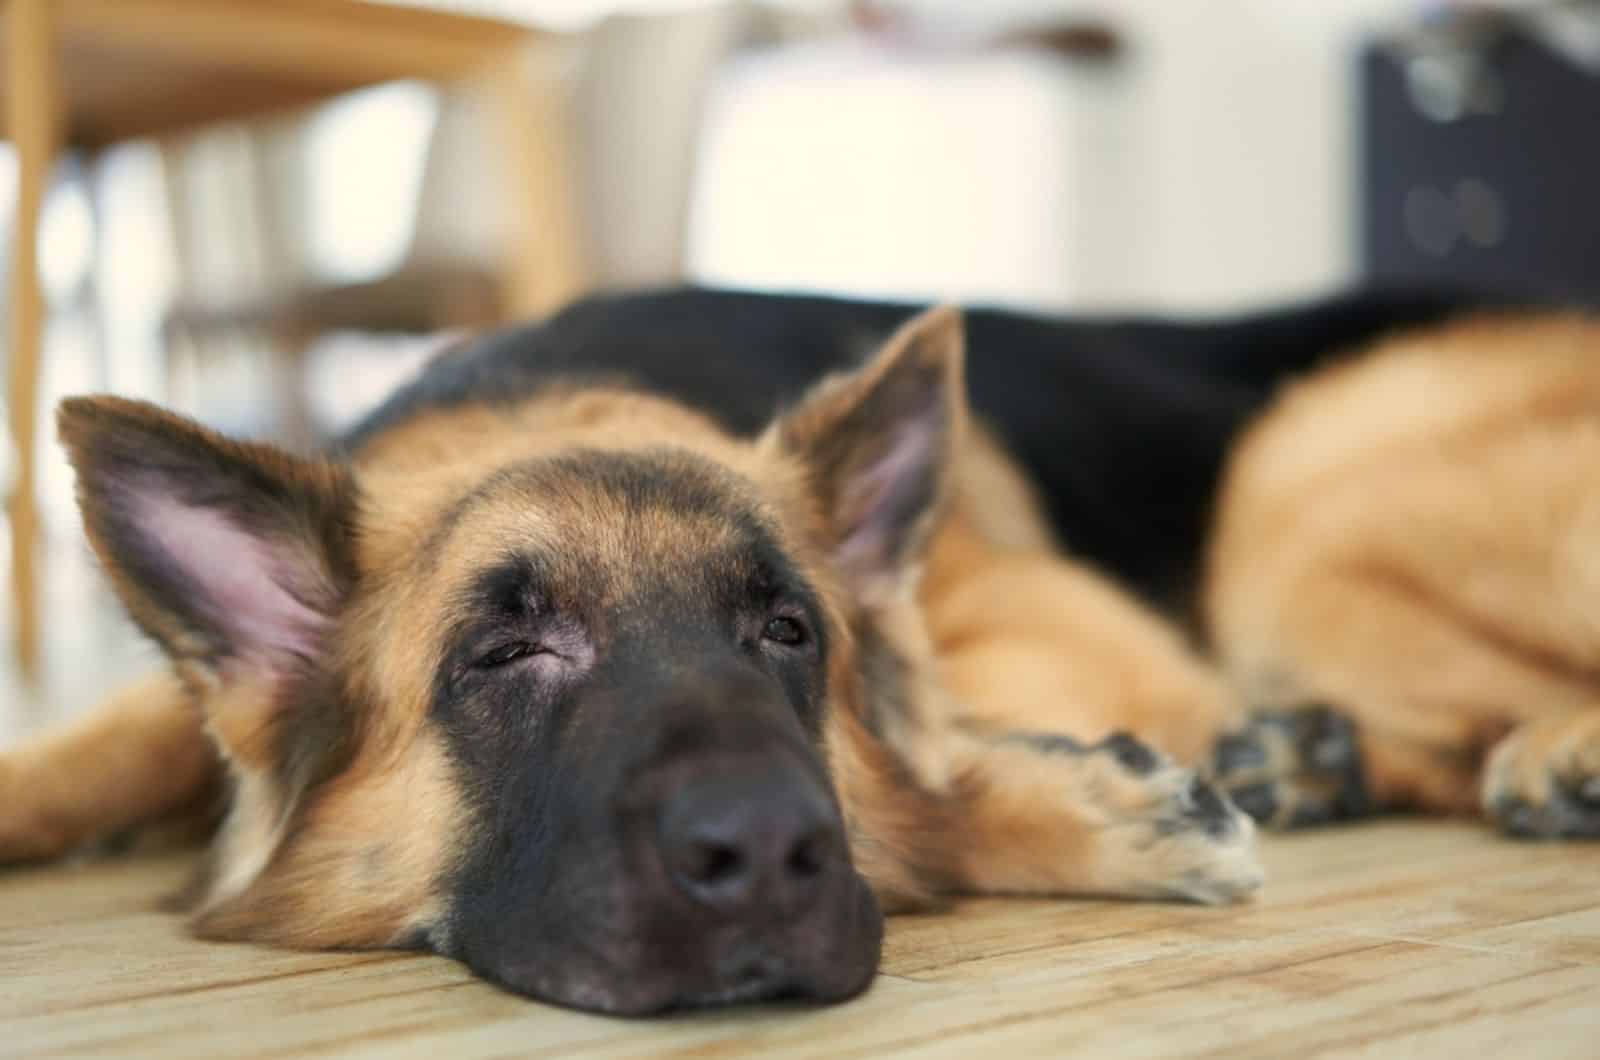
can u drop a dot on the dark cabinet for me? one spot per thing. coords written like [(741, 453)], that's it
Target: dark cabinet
[(1481, 168)]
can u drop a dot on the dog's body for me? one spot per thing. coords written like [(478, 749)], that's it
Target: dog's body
[(588, 655), (1121, 425)]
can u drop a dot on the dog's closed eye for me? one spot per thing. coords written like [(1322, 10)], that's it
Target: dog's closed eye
[(506, 654), (549, 648)]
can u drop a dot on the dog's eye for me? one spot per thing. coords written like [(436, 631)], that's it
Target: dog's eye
[(783, 630), (506, 653)]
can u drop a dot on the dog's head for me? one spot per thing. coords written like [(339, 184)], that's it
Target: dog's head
[(550, 689)]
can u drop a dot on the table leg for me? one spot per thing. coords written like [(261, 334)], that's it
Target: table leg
[(32, 119), (545, 267)]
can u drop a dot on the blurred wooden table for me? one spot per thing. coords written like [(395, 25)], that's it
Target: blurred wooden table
[(1402, 939), (89, 73)]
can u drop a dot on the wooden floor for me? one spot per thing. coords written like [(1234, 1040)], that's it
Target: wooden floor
[(1403, 939)]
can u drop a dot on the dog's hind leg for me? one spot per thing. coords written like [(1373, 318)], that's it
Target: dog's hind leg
[(1379, 683), (1422, 687), (1408, 541), (139, 757)]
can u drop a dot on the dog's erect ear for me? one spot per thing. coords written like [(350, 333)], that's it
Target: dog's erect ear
[(879, 444), (233, 556)]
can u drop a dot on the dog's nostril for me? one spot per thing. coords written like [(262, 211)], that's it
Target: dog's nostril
[(808, 856), (715, 863)]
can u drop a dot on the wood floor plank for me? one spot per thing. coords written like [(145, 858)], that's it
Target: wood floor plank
[(1397, 939)]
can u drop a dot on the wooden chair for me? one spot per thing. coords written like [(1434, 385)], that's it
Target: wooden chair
[(89, 73)]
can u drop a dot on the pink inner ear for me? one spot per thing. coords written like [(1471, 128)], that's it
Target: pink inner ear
[(886, 498), (244, 581)]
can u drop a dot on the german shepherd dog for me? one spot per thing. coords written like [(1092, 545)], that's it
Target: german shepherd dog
[(642, 658)]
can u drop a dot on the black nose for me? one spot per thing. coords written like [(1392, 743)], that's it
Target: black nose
[(753, 840)]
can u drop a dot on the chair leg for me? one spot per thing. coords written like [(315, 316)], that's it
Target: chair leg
[(32, 118), (545, 265)]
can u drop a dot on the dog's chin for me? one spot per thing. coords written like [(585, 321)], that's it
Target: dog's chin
[(638, 999), (825, 970)]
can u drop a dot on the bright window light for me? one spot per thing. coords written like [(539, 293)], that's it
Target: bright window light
[(364, 163), (66, 240)]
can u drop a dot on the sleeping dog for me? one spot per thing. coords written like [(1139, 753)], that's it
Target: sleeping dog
[(642, 658)]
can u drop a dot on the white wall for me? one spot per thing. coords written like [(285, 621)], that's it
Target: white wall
[(1212, 168)]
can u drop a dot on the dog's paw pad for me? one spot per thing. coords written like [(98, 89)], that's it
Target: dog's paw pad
[(1294, 768)]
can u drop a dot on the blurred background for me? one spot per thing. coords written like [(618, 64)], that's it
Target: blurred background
[(267, 214)]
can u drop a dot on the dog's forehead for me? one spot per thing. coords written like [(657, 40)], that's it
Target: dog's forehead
[(611, 518)]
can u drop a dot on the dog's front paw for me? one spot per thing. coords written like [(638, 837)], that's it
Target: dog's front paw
[(1050, 814), (1543, 780), (1170, 833), (1294, 768)]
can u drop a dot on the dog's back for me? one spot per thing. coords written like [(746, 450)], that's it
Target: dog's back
[(1122, 424)]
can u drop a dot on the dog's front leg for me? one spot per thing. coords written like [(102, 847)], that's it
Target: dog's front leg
[(1045, 814), (138, 757), (1033, 813)]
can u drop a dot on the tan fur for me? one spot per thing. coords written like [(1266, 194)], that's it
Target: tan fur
[(1038, 826), (1412, 538), (374, 842), (1541, 756), (994, 500), (1409, 537), (139, 756), (1025, 640), (995, 631)]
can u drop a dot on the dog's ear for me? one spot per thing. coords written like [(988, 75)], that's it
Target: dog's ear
[(233, 556), (879, 446)]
